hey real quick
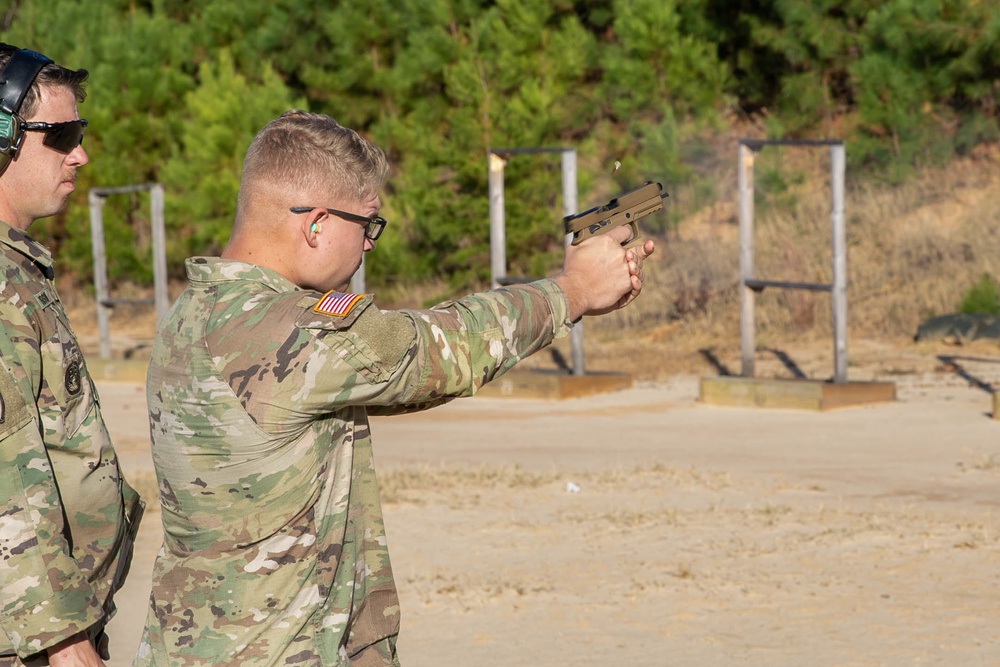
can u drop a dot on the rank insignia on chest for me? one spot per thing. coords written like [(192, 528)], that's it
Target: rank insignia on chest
[(337, 304)]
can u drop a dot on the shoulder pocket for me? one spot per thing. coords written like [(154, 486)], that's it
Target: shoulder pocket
[(373, 342), (14, 408)]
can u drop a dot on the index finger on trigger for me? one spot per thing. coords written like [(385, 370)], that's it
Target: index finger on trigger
[(621, 234)]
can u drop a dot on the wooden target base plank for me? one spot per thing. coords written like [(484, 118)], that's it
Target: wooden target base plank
[(552, 385), (793, 394), (117, 370)]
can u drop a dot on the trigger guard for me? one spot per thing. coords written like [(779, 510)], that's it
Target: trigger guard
[(631, 240)]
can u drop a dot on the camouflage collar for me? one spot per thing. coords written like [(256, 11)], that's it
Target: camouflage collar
[(28, 247), (218, 270)]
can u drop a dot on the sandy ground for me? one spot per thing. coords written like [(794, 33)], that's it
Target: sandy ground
[(644, 528)]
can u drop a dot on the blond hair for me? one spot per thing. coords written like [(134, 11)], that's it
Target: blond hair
[(301, 152)]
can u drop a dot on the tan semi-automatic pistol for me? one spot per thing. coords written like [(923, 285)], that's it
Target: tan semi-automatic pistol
[(625, 209)]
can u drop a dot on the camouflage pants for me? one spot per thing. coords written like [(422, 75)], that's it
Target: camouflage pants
[(379, 654)]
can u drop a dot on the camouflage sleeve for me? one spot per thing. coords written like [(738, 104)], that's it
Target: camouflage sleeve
[(406, 360), (44, 597), (462, 345)]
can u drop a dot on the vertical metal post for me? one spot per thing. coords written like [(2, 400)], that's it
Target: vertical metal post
[(498, 238), (569, 208), (160, 293), (100, 273), (839, 243), (747, 296)]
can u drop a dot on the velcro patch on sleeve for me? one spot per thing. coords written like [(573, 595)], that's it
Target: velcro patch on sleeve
[(337, 304), (14, 411)]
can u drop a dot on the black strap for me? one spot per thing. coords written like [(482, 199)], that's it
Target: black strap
[(17, 77)]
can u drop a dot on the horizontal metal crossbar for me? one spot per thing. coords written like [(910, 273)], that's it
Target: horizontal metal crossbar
[(758, 285), (124, 189), (523, 151), (111, 303), (757, 144)]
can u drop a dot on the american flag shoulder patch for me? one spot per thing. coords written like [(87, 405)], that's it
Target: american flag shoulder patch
[(337, 304)]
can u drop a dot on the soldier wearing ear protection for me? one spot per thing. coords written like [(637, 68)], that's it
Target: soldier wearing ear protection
[(18, 76), (67, 517), (260, 387)]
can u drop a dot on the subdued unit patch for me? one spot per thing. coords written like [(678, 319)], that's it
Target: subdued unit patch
[(13, 408)]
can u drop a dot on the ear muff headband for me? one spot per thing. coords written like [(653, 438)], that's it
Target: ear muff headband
[(15, 82)]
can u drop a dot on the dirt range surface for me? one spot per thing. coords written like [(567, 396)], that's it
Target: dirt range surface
[(644, 528)]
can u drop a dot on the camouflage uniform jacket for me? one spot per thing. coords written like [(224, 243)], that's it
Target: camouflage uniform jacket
[(259, 395), (64, 524)]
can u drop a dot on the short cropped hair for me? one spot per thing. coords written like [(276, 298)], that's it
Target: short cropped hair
[(52, 75), (300, 150)]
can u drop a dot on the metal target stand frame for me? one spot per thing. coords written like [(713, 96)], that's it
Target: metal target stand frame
[(105, 303), (497, 161), (799, 394), (750, 285)]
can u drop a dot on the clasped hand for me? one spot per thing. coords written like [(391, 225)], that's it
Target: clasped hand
[(600, 276)]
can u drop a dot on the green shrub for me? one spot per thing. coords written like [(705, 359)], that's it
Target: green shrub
[(982, 298)]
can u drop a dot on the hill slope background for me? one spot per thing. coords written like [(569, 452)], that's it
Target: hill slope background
[(913, 250)]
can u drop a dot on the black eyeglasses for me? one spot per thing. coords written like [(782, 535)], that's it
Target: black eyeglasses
[(62, 137), (373, 225)]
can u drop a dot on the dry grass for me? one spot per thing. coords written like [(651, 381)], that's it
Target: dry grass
[(989, 463), (398, 485), (415, 484), (730, 537), (913, 250)]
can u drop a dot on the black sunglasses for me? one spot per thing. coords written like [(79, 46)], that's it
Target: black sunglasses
[(373, 225), (62, 137)]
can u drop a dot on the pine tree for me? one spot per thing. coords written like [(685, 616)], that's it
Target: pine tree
[(221, 117)]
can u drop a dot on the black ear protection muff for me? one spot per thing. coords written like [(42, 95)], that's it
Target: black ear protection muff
[(15, 82)]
